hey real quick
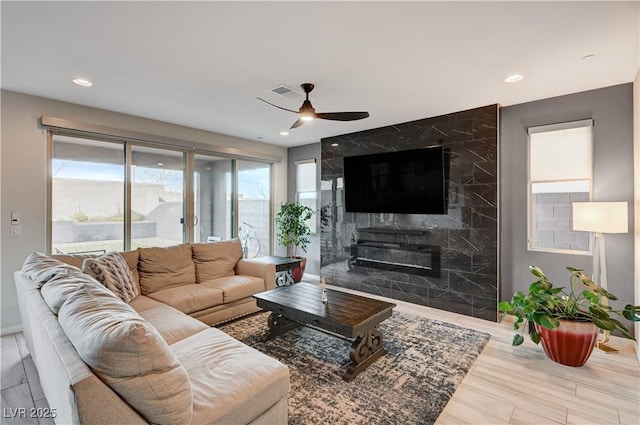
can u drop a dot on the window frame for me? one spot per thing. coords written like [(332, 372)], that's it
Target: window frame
[(530, 194), (313, 221)]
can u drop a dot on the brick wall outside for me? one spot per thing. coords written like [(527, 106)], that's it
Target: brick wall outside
[(552, 222)]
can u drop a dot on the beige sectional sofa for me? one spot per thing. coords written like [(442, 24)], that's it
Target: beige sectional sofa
[(128, 341)]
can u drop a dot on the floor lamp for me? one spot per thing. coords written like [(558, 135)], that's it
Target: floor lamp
[(600, 218)]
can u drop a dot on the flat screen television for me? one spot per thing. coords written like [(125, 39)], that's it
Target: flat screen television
[(407, 182)]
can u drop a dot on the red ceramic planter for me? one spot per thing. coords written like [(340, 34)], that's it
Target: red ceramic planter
[(299, 271), (569, 344)]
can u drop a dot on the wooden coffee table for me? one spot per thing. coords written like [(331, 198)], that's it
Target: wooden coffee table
[(347, 315)]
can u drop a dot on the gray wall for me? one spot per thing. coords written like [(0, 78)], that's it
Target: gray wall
[(24, 179), (296, 154), (611, 109)]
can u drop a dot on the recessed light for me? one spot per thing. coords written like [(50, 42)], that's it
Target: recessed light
[(82, 82), (160, 163), (513, 78), (284, 133), (334, 144)]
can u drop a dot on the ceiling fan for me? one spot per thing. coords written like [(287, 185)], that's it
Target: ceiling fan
[(307, 112)]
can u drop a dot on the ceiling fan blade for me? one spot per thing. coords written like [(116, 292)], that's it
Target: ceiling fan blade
[(342, 116), (297, 124), (279, 107)]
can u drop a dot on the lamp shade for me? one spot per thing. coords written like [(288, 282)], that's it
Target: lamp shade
[(600, 217)]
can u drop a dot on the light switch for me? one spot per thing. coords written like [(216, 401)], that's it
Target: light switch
[(15, 218), (16, 230)]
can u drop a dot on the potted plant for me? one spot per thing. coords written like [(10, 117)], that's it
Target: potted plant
[(567, 323), (293, 231)]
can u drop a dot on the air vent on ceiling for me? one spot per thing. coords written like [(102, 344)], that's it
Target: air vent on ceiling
[(286, 91)]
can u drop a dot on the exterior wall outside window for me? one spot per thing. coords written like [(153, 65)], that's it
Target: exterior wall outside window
[(560, 173)]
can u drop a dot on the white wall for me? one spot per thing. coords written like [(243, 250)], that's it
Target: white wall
[(23, 174)]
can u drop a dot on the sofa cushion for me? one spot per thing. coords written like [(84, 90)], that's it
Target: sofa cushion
[(236, 287), (56, 291), (128, 354), (73, 259), (142, 303), (131, 257), (41, 268), (172, 324), (113, 272), (189, 298), (232, 383), (216, 259), (162, 268)]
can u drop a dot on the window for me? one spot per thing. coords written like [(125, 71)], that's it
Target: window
[(114, 194), (212, 194), (254, 207), (157, 197), (306, 192), (87, 185), (560, 172)]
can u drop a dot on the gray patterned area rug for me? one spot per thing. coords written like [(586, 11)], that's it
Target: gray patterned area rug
[(426, 361)]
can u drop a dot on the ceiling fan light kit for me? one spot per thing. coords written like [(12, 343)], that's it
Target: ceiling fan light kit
[(308, 113)]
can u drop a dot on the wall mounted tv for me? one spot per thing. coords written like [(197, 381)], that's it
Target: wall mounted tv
[(407, 182)]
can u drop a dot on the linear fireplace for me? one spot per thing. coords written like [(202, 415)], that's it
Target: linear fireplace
[(377, 249), (407, 258)]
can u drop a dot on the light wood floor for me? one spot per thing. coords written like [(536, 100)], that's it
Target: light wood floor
[(505, 385)]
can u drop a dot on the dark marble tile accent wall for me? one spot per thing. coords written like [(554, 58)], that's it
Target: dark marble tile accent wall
[(467, 235)]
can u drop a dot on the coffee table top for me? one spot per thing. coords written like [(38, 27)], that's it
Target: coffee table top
[(344, 313)]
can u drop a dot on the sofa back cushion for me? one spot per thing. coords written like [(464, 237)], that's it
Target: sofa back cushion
[(128, 354), (216, 259), (162, 268), (113, 272), (73, 259), (56, 291), (41, 268)]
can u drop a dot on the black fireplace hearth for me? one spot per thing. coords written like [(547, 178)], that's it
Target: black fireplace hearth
[(415, 259)]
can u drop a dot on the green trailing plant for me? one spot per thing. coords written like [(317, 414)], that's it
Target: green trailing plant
[(546, 305), (293, 230)]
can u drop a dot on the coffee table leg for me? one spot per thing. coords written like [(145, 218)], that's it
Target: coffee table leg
[(366, 349), (278, 325)]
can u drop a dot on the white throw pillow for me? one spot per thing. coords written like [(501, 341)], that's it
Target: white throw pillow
[(128, 354), (113, 272)]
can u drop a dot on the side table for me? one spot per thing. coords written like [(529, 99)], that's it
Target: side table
[(284, 268)]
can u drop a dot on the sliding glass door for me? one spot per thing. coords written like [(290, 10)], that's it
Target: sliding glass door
[(117, 195), (87, 188), (212, 195), (254, 207), (157, 197)]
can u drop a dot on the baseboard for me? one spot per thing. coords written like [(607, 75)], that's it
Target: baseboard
[(311, 277), (11, 330)]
